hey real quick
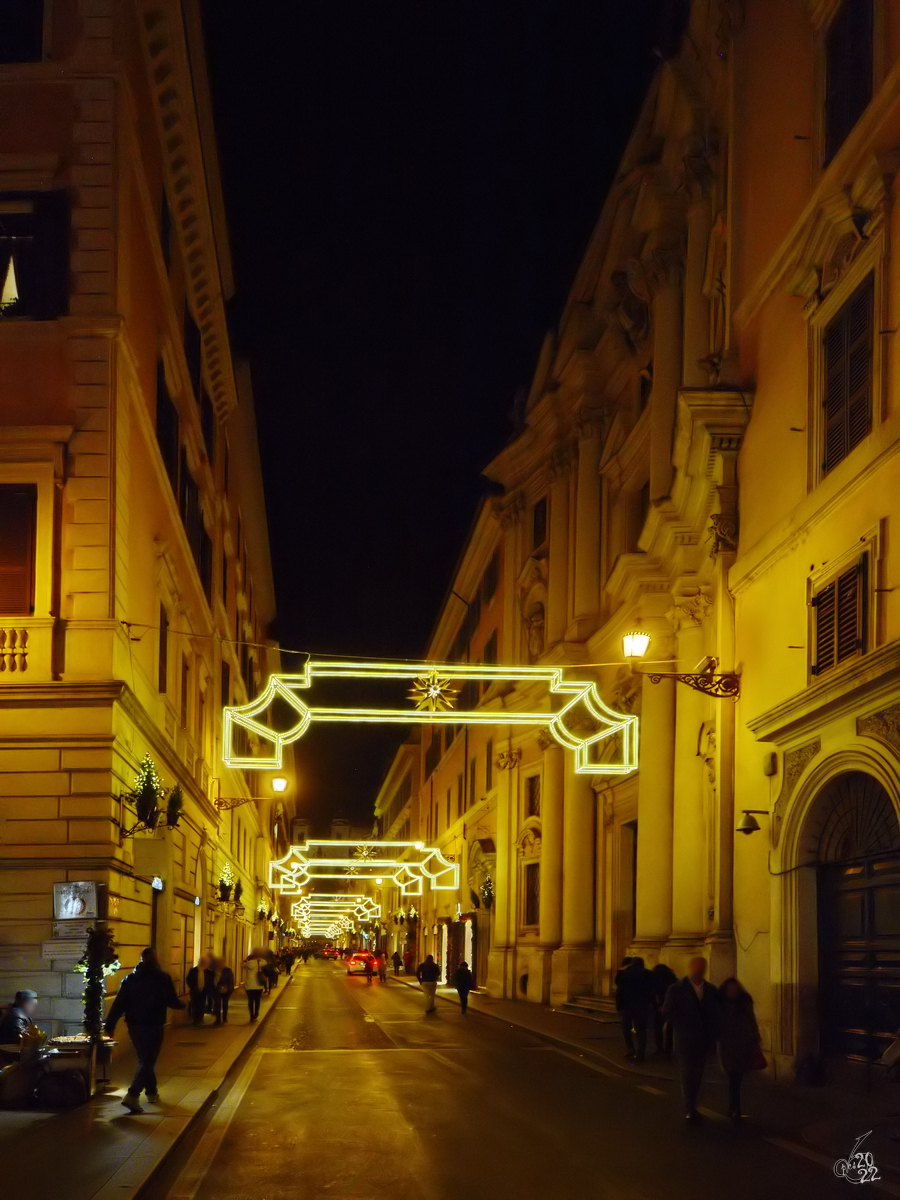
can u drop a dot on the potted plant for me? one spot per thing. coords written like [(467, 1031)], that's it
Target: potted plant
[(226, 883)]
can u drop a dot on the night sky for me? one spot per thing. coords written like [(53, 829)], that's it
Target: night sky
[(410, 185)]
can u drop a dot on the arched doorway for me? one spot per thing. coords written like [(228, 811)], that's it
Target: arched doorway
[(855, 835)]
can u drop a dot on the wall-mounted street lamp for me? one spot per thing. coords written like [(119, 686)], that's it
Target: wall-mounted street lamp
[(748, 822), (224, 803), (724, 685)]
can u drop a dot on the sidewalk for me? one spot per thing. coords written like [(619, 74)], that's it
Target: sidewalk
[(100, 1151), (821, 1122)]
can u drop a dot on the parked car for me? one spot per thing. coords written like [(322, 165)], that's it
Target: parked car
[(356, 963)]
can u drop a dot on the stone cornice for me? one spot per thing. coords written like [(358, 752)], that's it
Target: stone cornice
[(864, 683), (162, 37)]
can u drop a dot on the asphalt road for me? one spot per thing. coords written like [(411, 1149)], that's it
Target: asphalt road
[(353, 1092)]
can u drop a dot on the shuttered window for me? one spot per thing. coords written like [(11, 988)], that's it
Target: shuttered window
[(18, 508), (847, 368), (163, 664), (840, 609), (532, 906), (849, 51)]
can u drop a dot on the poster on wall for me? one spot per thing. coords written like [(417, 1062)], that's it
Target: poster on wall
[(75, 901)]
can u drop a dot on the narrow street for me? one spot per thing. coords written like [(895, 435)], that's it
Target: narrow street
[(352, 1091)]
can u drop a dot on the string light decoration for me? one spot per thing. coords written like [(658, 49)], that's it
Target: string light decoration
[(604, 741), (404, 864), (433, 693)]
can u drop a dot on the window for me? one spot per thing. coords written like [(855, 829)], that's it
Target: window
[(433, 753), (489, 765), (226, 468), (645, 386), (165, 228), (208, 425), (473, 767), (224, 577), (489, 654), (18, 508), (840, 611), (34, 254), (849, 52), (167, 429), (22, 31), (491, 579), (847, 374), (460, 792), (449, 802), (162, 683), (539, 523), (193, 350), (225, 685), (185, 692), (205, 564), (532, 906), (533, 796)]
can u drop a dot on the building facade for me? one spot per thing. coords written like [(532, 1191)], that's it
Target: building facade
[(135, 582), (708, 456)]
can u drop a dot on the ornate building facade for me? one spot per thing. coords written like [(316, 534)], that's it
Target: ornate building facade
[(135, 583), (708, 456)]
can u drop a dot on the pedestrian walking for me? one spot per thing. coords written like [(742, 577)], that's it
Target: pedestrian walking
[(463, 981), (381, 962), (692, 1006), (143, 999), (369, 969), (428, 974), (663, 978), (224, 988), (739, 1041), (252, 980), (634, 1000), (196, 985), (397, 960)]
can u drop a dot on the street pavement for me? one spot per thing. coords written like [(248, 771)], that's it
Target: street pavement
[(351, 1091)]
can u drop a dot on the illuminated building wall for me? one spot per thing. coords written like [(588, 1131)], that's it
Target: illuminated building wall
[(132, 527), (709, 454)]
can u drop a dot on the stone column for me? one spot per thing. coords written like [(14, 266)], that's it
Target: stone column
[(587, 535), (558, 571), (692, 708), (653, 919), (696, 305), (572, 971), (500, 964), (667, 350), (552, 844)]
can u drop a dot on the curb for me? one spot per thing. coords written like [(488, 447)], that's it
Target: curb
[(137, 1171), (562, 1043)]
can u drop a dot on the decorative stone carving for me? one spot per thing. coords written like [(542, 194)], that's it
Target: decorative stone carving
[(545, 740), (631, 303), (689, 611), (507, 759), (534, 621), (795, 763), (706, 749), (13, 650), (723, 530), (884, 725), (715, 290)]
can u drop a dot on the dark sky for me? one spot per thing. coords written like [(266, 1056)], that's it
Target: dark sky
[(410, 185)]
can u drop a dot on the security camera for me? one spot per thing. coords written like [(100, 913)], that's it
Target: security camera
[(747, 824)]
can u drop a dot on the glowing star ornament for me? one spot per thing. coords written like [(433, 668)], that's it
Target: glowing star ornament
[(433, 693), (603, 741)]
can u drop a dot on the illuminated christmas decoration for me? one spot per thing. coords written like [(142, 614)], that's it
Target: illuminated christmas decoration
[(433, 693), (405, 864), (10, 293), (332, 904), (604, 742)]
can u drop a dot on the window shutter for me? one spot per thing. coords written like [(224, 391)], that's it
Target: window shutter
[(163, 665), (824, 604), (18, 506), (847, 401)]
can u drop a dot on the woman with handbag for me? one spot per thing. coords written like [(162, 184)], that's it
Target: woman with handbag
[(739, 1040)]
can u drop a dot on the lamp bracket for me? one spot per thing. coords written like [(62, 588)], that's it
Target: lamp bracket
[(725, 686)]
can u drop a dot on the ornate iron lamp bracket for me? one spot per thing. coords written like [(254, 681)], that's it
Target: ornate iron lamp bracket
[(726, 686)]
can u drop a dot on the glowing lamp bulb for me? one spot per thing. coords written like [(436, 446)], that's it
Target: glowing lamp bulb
[(379, 881), (634, 645), (279, 784)]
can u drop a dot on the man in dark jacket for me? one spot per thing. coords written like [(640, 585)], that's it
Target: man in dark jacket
[(692, 1008), (634, 997), (18, 1017), (428, 974), (663, 978), (463, 981), (143, 999)]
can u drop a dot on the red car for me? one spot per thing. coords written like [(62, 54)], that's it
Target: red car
[(329, 952), (356, 963)]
